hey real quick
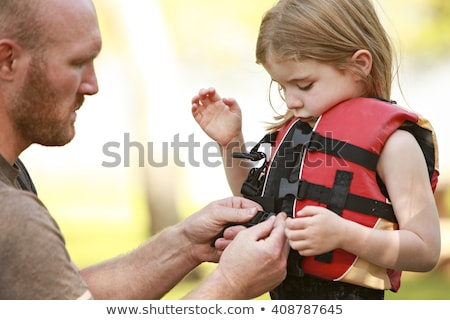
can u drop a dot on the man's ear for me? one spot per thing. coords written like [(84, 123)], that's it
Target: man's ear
[(363, 60), (8, 55)]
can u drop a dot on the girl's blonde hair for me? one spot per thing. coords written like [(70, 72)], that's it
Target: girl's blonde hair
[(329, 31)]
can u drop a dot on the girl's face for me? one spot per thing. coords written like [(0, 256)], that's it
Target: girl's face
[(311, 87)]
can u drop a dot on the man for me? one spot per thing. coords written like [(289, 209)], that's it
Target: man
[(47, 52)]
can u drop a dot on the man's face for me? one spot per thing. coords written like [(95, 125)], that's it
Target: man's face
[(40, 114), (43, 108)]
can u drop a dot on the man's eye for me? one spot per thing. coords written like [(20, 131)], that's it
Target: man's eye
[(78, 64)]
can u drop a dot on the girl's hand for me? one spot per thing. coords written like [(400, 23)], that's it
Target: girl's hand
[(220, 118), (315, 230)]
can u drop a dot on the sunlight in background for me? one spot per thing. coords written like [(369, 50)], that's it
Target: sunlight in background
[(156, 56)]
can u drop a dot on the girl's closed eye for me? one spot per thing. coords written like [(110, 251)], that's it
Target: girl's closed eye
[(305, 87)]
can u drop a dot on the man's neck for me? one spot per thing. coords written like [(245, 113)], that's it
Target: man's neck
[(10, 149), (12, 143)]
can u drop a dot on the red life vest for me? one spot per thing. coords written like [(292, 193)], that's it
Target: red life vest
[(334, 165)]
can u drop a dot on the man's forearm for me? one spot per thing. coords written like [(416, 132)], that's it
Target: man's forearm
[(215, 287), (148, 272)]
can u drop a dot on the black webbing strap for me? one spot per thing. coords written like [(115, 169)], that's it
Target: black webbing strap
[(339, 192), (302, 189), (254, 154), (336, 202), (294, 264), (344, 150), (270, 204), (254, 183)]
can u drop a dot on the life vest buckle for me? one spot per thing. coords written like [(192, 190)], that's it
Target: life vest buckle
[(255, 182), (253, 156)]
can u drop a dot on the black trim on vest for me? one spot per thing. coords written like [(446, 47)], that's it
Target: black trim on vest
[(424, 138)]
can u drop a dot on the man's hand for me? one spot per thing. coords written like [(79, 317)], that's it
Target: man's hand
[(201, 227), (253, 263)]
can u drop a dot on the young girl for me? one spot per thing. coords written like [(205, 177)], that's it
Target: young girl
[(354, 171)]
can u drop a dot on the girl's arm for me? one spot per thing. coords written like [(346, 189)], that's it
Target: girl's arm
[(416, 246), (236, 169), (221, 119)]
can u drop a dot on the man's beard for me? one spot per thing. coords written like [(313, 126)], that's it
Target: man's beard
[(34, 111)]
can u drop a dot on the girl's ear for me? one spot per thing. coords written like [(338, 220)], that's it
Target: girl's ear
[(363, 60)]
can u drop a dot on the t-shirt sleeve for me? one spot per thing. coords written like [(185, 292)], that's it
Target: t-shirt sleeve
[(34, 262)]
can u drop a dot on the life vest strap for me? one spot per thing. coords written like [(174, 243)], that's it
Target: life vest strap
[(344, 150), (336, 203), (302, 189), (294, 265), (339, 192), (268, 203)]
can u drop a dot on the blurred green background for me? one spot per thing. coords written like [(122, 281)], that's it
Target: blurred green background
[(157, 55)]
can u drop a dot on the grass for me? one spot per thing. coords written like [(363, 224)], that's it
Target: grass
[(429, 286)]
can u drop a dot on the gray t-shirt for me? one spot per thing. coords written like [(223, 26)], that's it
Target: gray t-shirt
[(34, 262)]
